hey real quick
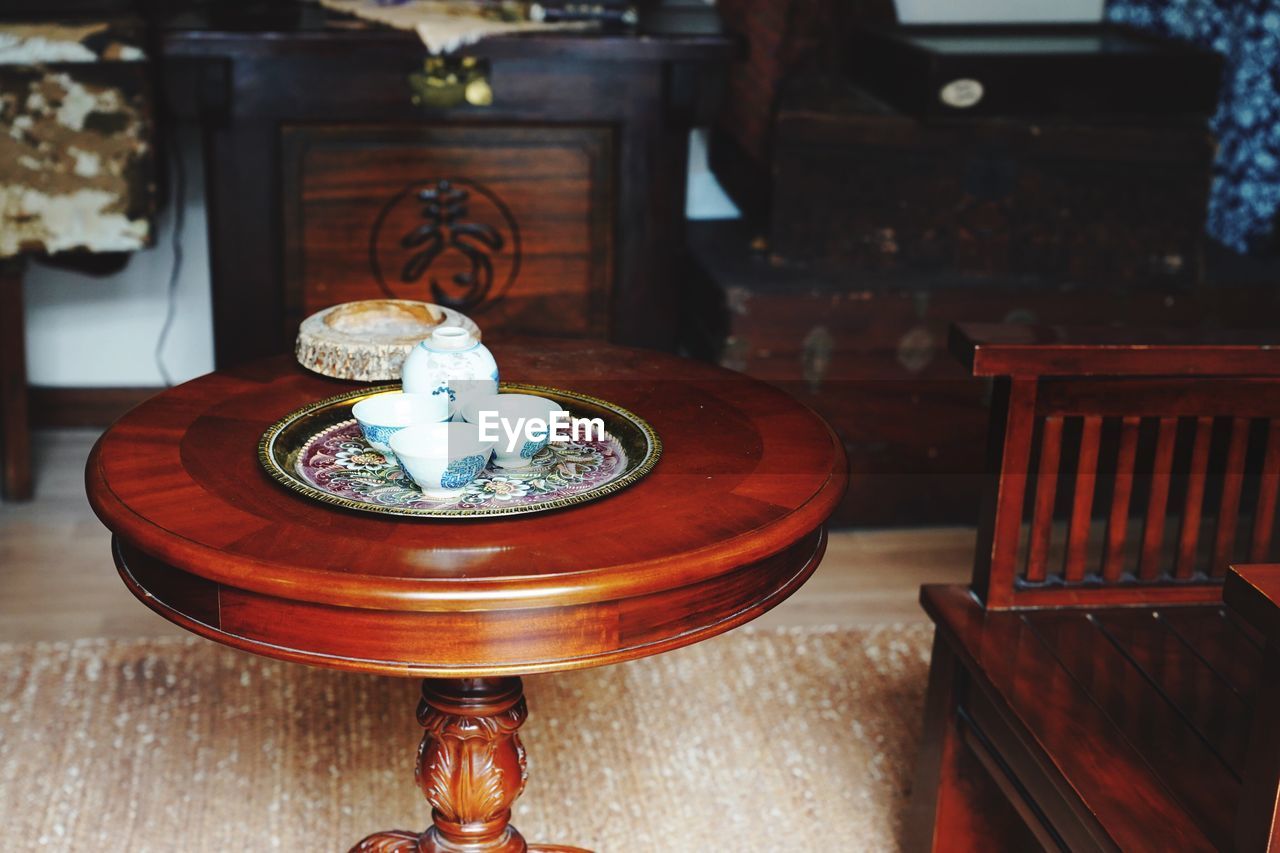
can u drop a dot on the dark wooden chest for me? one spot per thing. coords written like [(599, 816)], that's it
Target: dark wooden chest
[(1084, 70), (858, 187)]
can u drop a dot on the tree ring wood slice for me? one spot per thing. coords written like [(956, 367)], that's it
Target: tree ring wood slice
[(369, 340)]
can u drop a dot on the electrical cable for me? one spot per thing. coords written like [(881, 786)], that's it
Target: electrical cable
[(179, 204)]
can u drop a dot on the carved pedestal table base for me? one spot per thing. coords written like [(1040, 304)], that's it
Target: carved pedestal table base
[(471, 768)]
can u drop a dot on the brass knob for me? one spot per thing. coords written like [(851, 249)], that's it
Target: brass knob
[(446, 82), (478, 93)]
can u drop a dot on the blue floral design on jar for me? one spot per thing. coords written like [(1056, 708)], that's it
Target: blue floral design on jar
[(461, 471)]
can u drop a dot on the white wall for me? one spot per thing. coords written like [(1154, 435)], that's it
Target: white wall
[(705, 198), (102, 331), (89, 331), (988, 11)]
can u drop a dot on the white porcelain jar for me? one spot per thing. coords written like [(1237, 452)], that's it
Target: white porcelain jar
[(451, 362)]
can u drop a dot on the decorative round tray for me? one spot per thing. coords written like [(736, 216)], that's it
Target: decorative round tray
[(318, 451)]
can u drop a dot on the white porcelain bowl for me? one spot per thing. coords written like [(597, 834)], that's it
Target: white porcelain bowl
[(511, 414), (383, 415), (441, 458)]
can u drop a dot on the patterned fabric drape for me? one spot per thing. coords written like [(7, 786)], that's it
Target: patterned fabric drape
[(1246, 189)]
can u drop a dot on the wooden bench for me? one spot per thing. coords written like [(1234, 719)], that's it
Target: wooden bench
[(1089, 689)]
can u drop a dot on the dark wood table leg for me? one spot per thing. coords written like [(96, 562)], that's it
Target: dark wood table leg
[(471, 768), (15, 426)]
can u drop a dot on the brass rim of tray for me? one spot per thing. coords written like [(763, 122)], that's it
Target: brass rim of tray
[(284, 473)]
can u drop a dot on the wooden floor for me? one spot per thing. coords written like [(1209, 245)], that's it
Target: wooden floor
[(57, 581)]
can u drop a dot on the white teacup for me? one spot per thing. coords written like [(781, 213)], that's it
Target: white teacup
[(509, 417), (441, 458), (383, 415)]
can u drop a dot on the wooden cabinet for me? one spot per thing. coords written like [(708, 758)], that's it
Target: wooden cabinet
[(335, 171), (511, 225)]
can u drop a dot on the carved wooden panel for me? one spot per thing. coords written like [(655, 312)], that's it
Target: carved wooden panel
[(510, 225)]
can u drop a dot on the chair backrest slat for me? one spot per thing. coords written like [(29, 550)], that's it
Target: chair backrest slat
[(1158, 504), (1086, 480), (1193, 507), (1121, 497), (1045, 498), (1268, 486), (1224, 539)]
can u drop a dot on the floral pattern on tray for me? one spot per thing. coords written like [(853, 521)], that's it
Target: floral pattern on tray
[(340, 462)]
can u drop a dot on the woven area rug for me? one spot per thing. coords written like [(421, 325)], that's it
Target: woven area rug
[(732, 744)]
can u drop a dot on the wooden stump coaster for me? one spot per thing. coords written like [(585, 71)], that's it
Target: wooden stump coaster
[(369, 340)]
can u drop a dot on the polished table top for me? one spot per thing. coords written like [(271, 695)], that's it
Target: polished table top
[(728, 524)]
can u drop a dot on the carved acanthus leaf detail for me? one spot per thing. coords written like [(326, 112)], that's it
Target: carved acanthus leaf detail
[(471, 769), (438, 762)]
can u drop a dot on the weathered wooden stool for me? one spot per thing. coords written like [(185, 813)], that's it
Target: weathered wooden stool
[(76, 176)]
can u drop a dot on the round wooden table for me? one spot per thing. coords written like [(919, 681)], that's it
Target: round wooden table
[(727, 525)]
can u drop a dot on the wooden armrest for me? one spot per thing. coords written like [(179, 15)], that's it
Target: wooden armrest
[(990, 349), (1253, 592)]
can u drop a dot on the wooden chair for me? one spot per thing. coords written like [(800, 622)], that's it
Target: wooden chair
[(1088, 688)]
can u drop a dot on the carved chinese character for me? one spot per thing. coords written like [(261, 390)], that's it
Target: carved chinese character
[(446, 228)]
